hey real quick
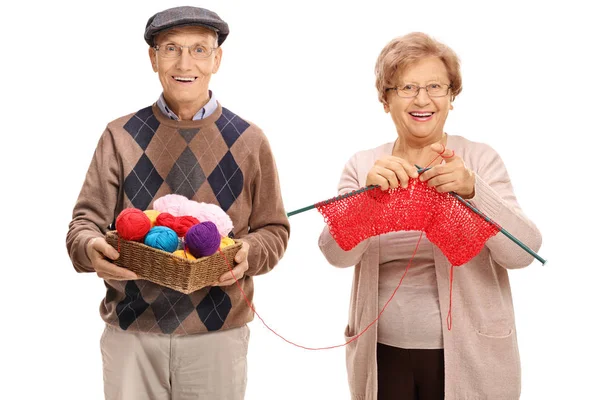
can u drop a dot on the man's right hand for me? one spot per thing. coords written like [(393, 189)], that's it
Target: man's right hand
[(100, 252)]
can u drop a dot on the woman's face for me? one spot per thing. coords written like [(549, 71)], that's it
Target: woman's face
[(420, 117)]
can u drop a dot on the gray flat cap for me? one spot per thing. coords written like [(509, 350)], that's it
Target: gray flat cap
[(185, 16)]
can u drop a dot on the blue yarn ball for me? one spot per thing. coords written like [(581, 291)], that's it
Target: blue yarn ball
[(203, 239), (163, 238)]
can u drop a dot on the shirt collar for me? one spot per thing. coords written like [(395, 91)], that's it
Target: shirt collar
[(204, 112)]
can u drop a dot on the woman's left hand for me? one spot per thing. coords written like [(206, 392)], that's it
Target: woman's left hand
[(452, 176)]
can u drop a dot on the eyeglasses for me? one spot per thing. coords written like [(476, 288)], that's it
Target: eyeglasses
[(433, 90), (197, 51)]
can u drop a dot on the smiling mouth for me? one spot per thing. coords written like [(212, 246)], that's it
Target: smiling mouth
[(185, 79), (421, 114)]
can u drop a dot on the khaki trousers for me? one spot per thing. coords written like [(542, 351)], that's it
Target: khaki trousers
[(144, 366)]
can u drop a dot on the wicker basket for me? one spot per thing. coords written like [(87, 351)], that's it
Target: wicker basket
[(168, 270)]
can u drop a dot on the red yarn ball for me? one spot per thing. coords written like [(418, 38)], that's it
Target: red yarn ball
[(165, 219), (184, 224), (179, 224), (133, 224)]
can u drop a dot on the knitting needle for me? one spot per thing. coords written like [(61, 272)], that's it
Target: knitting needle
[(300, 210)]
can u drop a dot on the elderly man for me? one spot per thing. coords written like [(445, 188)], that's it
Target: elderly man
[(159, 343)]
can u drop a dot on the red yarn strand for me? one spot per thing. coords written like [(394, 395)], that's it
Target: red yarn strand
[(328, 347), (438, 156), (449, 316)]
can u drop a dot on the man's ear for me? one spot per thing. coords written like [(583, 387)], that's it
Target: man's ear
[(217, 64), (152, 54)]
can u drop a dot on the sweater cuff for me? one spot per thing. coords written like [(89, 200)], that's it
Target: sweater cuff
[(486, 199), (338, 257)]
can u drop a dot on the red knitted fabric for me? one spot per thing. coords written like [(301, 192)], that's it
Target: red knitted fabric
[(455, 229)]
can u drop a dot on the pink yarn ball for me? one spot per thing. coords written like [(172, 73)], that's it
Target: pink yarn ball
[(208, 212), (170, 203), (203, 239)]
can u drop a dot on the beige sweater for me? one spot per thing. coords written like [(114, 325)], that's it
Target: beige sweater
[(221, 159), (481, 353)]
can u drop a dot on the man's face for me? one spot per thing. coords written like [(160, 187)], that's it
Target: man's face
[(185, 78)]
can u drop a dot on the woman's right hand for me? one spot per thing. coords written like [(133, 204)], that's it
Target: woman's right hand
[(98, 250), (389, 172)]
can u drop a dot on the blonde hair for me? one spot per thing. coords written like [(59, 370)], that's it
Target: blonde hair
[(406, 50)]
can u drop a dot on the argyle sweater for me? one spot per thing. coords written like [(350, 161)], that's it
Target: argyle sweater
[(221, 159)]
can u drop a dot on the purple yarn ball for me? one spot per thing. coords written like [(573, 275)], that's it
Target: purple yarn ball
[(203, 239)]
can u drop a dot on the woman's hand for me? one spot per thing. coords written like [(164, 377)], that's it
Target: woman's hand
[(389, 172), (453, 176)]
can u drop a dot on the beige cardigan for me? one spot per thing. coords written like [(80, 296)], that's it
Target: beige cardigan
[(480, 352)]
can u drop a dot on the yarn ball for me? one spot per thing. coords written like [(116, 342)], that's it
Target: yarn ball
[(132, 224), (170, 203), (184, 254), (208, 212), (179, 224), (184, 223), (203, 239), (152, 214), (163, 238), (226, 241), (166, 219)]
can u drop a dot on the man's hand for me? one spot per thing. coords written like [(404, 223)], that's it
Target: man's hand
[(241, 260), (452, 176), (100, 252)]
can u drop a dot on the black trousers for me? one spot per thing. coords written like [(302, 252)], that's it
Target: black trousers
[(409, 374)]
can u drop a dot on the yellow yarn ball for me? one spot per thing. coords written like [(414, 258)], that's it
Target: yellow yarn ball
[(184, 254), (152, 214), (226, 241)]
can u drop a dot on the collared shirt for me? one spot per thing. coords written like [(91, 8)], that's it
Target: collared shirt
[(204, 112)]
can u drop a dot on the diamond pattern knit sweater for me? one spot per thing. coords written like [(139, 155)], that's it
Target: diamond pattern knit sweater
[(223, 160)]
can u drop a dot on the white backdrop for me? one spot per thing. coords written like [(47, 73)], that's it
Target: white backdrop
[(302, 71)]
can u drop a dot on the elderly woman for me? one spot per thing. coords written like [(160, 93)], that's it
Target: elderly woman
[(409, 353)]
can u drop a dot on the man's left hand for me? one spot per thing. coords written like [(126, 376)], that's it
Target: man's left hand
[(241, 260)]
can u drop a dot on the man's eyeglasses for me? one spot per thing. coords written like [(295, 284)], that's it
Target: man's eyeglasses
[(197, 51), (433, 90)]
